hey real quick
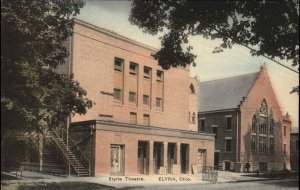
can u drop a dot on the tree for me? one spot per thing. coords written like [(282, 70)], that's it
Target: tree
[(33, 94), (269, 28)]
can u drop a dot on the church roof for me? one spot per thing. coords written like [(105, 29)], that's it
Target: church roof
[(225, 93)]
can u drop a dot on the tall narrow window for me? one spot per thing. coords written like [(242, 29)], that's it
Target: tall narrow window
[(263, 144), (146, 119), (253, 143), (284, 149), (147, 72), (215, 131), (133, 68), (159, 76), (254, 124), (228, 145), (263, 125), (193, 117), (284, 130), (117, 94), (118, 64), (146, 100), (202, 125), (192, 89), (132, 97), (271, 145), (272, 127), (228, 123), (133, 118), (158, 102)]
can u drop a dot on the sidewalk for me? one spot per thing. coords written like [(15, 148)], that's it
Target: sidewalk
[(137, 181)]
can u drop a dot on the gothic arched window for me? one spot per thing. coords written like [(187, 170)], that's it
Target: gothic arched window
[(264, 107), (192, 88)]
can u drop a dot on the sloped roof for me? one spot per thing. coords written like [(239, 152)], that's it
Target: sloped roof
[(225, 93)]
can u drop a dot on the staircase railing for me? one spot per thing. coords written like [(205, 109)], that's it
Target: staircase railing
[(77, 152)]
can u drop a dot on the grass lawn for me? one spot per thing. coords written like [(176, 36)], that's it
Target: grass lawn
[(64, 186)]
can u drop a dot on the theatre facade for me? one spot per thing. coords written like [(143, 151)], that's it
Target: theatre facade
[(144, 118)]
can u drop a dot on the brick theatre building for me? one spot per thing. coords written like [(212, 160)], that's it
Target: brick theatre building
[(144, 118)]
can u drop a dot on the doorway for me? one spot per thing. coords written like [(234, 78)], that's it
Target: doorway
[(171, 157), (201, 159), (158, 153), (227, 166), (184, 154), (117, 159), (143, 157)]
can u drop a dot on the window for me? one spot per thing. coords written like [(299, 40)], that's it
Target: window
[(132, 117), (284, 149), (119, 64), (264, 107), (194, 118), (146, 100), (192, 89), (263, 144), (158, 102), (253, 143), (117, 94), (202, 125), (133, 68), (147, 72), (215, 131), (228, 122), (254, 124), (132, 97), (159, 76), (271, 145), (272, 127), (284, 130), (228, 145), (146, 119), (263, 125)]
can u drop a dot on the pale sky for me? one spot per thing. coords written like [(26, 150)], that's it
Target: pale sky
[(113, 15)]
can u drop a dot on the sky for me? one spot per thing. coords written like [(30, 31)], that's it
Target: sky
[(113, 15)]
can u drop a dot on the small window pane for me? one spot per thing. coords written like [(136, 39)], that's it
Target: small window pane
[(117, 94), (118, 64), (159, 76), (146, 119), (133, 68), (147, 72), (158, 102), (146, 100), (132, 97), (132, 118)]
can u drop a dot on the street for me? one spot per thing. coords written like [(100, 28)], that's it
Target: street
[(257, 185)]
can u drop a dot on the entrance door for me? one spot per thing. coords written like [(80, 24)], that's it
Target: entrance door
[(158, 156), (117, 159), (201, 159), (143, 157), (171, 157), (184, 154)]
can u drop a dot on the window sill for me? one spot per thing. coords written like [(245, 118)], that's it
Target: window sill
[(229, 152), (228, 130), (118, 102)]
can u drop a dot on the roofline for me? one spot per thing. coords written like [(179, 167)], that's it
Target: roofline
[(223, 110), (113, 34), (230, 77)]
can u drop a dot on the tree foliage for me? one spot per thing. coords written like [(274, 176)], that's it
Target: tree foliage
[(33, 94), (269, 28)]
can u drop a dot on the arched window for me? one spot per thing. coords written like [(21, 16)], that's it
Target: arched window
[(264, 107), (192, 88), (272, 127), (254, 124), (193, 117)]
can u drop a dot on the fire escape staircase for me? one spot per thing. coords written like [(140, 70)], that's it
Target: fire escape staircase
[(75, 159)]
